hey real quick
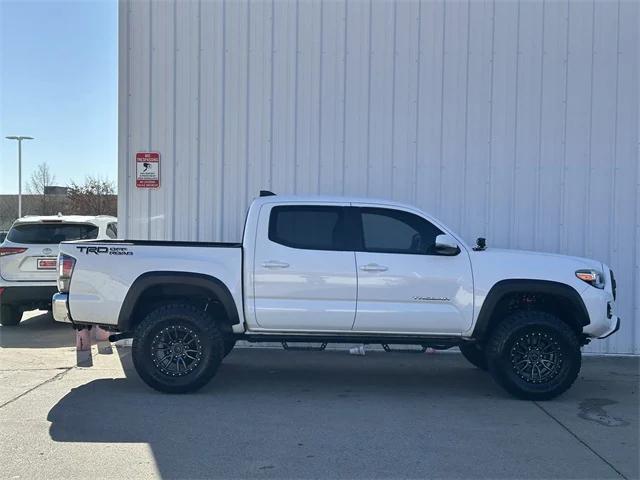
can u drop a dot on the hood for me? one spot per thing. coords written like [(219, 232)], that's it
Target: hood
[(556, 258), (495, 264)]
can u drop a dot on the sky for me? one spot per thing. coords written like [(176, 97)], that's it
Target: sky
[(58, 83)]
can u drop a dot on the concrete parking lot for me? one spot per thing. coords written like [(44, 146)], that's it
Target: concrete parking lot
[(276, 414)]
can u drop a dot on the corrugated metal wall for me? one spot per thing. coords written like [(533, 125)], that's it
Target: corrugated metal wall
[(517, 121)]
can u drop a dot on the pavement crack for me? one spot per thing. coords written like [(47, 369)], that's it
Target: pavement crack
[(57, 376), (33, 369), (586, 445)]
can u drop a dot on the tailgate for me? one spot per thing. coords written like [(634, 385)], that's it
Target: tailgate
[(28, 263), (30, 250)]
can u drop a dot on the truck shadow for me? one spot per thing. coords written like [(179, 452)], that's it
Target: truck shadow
[(288, 409), (37, 330)]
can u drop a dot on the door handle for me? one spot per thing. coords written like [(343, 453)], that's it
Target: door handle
[(374, 267), (274, 264)]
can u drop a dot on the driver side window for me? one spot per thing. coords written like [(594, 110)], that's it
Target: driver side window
[(395, 231)]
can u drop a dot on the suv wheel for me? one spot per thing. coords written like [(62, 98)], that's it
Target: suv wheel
[(534, 355), (474, 355), (10, 316), (177, 348)]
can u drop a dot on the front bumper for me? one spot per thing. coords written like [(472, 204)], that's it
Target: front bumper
[(60, 303), (616, 322)]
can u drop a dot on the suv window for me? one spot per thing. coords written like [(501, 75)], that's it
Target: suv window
[(395, 231), (308, 227), (112, 230), (51, 233)]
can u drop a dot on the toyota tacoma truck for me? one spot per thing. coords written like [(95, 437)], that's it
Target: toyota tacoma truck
[(339, 270)]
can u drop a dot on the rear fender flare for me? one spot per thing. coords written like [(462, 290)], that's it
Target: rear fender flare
[(154, 279)]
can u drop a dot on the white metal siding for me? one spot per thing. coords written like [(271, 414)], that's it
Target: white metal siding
[(517, 121)]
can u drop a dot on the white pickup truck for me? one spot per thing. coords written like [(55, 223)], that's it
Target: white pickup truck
[(339, 270)]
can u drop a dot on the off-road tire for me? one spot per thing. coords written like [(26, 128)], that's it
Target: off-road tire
[(474, 355), (165, 322), (509, 336), (229, 343), (10, 316)]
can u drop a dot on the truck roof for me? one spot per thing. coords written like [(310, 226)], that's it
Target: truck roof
[(332, 199)]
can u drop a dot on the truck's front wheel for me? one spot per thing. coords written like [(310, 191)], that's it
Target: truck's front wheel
[(534, 355), (177, 348)]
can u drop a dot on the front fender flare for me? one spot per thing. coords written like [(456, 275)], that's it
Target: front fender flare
[(506, 287)]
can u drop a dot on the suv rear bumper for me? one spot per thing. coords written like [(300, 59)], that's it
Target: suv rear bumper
[(60, 308), (28, 297)]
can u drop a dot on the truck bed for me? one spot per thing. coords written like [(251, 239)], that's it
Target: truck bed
[(105, 270)]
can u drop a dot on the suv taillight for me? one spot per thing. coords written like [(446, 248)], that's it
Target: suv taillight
[(65, 270), (11, 250)]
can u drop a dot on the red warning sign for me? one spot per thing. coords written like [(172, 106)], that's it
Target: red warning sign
[(147, 169)]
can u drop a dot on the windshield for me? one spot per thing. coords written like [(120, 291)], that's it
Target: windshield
[(51, 233)]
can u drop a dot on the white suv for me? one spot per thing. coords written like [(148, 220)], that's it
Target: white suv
[(28, 258)]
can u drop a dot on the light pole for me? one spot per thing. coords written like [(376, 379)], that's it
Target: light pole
[(19, 139)]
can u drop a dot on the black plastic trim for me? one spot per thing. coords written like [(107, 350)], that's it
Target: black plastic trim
[(614, 285), (154, 279), (613, 331), (506, 287)]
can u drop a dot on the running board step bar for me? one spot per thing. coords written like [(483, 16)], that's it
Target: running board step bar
[(388, 349), (319, 348), (437, 343)]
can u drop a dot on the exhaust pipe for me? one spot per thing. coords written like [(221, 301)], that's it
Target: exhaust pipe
[(119, 336)]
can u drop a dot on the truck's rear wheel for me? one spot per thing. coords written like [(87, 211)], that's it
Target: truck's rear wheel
[(177, 348), (534, 355), (10, 316), (474, 355)]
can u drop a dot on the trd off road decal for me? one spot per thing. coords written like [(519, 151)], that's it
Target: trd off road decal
[(105, 250)]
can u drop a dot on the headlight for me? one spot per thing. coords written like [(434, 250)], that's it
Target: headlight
[(592, 277)]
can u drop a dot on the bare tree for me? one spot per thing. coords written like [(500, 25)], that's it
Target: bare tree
[(96, 196), (40, 179)]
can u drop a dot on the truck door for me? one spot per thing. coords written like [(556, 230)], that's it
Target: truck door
[(304, 275), (403, 286)]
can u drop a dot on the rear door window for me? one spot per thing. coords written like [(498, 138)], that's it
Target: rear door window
[(308, 227), (51, 233)]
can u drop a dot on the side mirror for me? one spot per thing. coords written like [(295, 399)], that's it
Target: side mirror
[(446, 245)]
